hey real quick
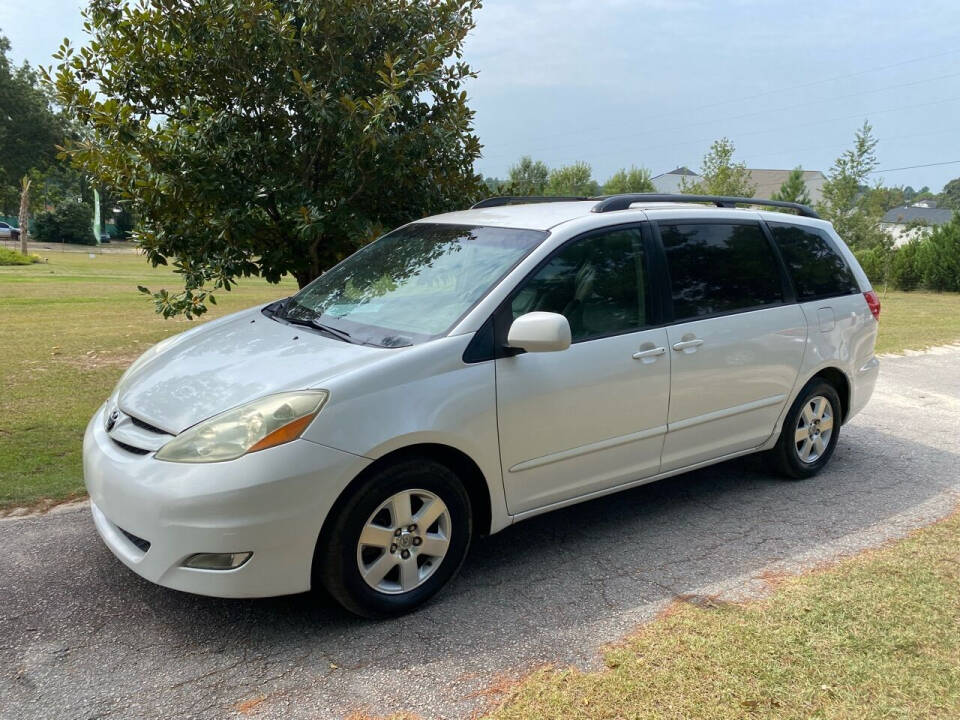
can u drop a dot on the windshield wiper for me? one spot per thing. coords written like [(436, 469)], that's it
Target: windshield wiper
[(336, 332), (316, 325)]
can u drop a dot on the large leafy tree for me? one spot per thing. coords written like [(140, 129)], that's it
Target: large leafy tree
[(264, 137), (720, 175), (29, 129), (634, 180)]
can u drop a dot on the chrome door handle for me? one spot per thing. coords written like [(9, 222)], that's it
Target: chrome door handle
[(687, 344), (652, 352)]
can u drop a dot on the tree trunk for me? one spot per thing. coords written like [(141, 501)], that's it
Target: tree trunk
[(24, 217)]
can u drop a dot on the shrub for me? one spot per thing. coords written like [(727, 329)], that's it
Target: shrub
[(12, 257), (70, 222), (903, 271), (875, 262), (938, 257)]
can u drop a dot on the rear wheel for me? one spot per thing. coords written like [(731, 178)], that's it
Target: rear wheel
[(810, 431), (401, 535)]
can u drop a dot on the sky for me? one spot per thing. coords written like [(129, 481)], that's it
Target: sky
[(652, 83)]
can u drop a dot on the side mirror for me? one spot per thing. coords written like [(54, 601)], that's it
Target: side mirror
[(540, 332)]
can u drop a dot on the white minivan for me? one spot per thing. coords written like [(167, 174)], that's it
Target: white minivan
[(470, 370)]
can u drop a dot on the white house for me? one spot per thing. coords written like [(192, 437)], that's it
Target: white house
[(910, 221)]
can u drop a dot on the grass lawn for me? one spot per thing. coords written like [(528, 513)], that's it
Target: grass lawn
[(917, 320), (68, 329), (876, 637)]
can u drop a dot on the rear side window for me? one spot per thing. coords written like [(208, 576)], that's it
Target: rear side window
[(719, 268), (817, 269)]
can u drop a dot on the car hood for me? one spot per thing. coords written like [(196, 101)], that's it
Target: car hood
[(197, 374)]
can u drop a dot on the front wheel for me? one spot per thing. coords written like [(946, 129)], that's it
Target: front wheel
[(810, 432), (401, 535)]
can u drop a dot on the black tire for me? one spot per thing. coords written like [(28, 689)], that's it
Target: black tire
[(336, 564), (785, 458)]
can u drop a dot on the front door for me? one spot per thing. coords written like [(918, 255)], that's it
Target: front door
[(593, 416), (737, 344)]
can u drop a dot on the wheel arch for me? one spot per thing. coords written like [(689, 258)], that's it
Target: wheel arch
[(841, 383), (458, 461)]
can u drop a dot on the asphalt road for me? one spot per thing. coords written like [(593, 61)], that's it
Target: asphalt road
[(82, 637)]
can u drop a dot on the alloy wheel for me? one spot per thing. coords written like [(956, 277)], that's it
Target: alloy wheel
[(404, 541), (814, 429)]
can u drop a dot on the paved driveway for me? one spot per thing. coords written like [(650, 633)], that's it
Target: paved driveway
[(82, 637)]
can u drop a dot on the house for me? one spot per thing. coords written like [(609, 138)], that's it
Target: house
[(910, 221), (672, 182), (768, 182)]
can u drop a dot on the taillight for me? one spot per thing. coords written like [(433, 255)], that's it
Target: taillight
[(874, 302)]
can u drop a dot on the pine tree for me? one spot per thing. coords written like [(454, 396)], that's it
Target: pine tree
[(794, 189)]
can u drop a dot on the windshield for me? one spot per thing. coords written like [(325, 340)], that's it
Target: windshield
[(412, 284)]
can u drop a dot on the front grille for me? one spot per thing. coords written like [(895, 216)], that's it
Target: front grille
[(130, 448), (142, 545), (146, 426)]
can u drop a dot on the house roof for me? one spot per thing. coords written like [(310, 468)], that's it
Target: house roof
[(910, 213), (682, 170)]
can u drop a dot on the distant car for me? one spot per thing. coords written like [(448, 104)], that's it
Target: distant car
[(8, 232), (471, 370), (104, 238)]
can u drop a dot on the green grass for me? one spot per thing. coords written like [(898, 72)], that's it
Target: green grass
[(69, 328), (917, 320), (72, 325), (876, 637)]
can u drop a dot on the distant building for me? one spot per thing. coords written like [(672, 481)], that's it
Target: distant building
[(768, 182), (910, 221), (672, 181)]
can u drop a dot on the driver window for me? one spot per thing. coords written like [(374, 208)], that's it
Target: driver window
[(597, 283)]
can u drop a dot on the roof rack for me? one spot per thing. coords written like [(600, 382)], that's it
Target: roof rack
[(524, 200), (622, 202)]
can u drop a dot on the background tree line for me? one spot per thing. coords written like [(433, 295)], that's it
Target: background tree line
[(272, 137), (32, 129), (855, 206)]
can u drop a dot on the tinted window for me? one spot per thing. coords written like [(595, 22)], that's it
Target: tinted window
[(818, 270), (719, 267), (598, 283)]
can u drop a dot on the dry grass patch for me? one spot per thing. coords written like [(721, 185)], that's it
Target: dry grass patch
[(876, 636)]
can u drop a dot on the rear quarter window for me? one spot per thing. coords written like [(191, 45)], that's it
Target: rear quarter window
[(718, 268), (817, 269)]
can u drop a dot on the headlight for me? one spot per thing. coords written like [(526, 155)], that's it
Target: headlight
[(258, 425)]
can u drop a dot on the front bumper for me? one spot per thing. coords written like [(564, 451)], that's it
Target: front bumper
[(272, 503)]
